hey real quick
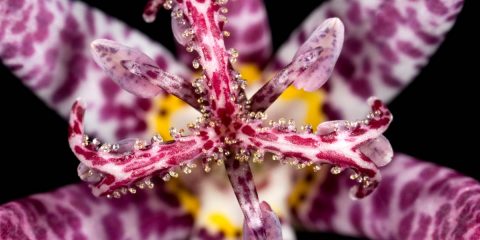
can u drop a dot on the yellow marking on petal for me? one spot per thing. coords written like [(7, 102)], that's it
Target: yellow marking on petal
[(161, 117), (250, 72), (312, 100), (223, 224), (188, 201)]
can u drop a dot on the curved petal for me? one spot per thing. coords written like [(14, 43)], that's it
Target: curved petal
[(73, 213), (47, 45), (342, 144), (138, 74), (386, 44), (248, 30), (310, 68), (416, 200), (117, 173)]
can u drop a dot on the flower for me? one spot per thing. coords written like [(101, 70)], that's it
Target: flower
[(110, 220)]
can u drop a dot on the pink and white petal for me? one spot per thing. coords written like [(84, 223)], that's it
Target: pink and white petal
[(249, 31), (416, 200), (343, 146), (310, 68), (386, 45), (138, 74), (47, 45), (72, 212), (113, 173)]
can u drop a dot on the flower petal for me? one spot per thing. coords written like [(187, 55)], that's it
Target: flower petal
[(345, 145), (46, 45), (138, 74), (310, 68), (121, 172), (416, 200), (249, 31), (241, 179), (73, 213), (386, 45), (221, 84)]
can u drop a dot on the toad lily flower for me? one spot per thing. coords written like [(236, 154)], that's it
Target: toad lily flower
[(230, 130), (378, 59)]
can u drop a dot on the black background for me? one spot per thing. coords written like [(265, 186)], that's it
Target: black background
[(434, 117)]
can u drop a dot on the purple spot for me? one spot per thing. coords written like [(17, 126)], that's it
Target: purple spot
[(382, 197), (345, 67), (353, 46), (254, 33), (428, 172), (15, 5), (161, 62), (361, 87), (331, 112), (9, 50), (44, 18), (143, 103), (113, 226), (409, 194), (408, 49), (436, 7), (69, 217), (424, 222), (109, 88), (354, 13), (57, 225), (405, 225), (384, 24), (27, 49)]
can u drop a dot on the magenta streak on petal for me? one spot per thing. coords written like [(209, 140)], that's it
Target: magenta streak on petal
[(208, 43), (386, 45), (311, 66), (138, 74), (227, 132), (342, 144), (124, 169), (416, 200), (51, 55), (72, 212)]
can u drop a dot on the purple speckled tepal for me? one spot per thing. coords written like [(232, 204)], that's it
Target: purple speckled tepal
[(229, 131), (385, 44)]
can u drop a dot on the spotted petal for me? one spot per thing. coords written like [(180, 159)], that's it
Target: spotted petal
[(118, 173), (246, 24), (249, 31), (310, 68), (137, 73), (73, 213), (341, 144), (46, 45), (386, 44), (416, 200)]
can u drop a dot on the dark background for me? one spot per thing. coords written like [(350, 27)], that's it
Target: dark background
[(434, 117)]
